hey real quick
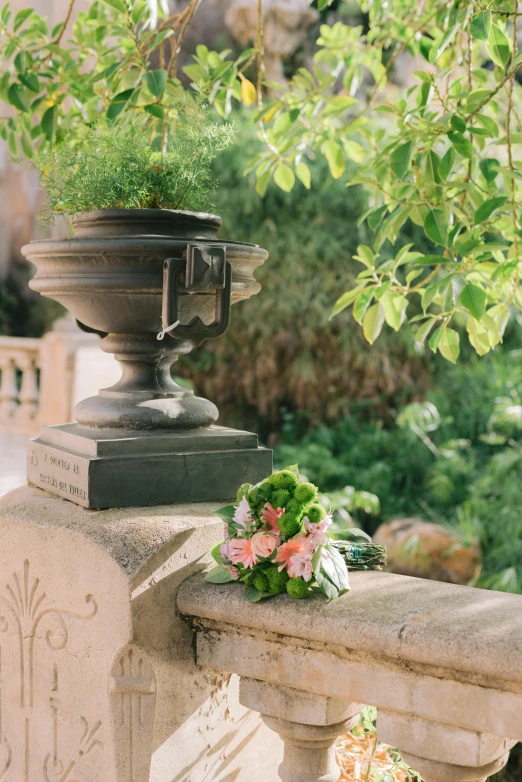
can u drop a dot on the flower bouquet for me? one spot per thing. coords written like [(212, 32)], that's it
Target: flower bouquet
[(276, 541)]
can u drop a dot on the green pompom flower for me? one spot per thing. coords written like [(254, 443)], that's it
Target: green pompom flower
[(289, 524), (276, 581), (284, 479), (261, 582), (315, 513), (298, 588), (279, 498), (294, 506), (305, 492)]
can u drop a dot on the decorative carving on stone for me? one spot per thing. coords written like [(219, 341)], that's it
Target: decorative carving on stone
[(27, 616), (133, 704)]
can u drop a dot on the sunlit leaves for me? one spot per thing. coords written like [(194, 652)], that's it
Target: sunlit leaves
[(498, 46), (373, 322), (461, 144), (436, 226), (473, 299), (400, 159), (248, 92), (334, 155), (487, 208), (480, 25), (284, 177), (303, 174)]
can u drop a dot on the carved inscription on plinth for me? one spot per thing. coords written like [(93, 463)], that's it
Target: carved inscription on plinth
[(58, 472)]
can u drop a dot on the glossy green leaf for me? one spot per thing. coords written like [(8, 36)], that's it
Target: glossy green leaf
[(15, 96), (156, 81), (436, 226), (423, 330), (117, 4), (334, 155), (373, 322), (362, 304), (489, 168), (219, 575), (487, 208), (50, 123), (461, 144), (155, 110), (118, 103), (449, 344), (344, 301), (20, 18), (473, 299), (480, 26), (446, 164), (303, 174), (478, 336), (394, 306), (400, 159), (284, 177), (498, 46), (458, 124)]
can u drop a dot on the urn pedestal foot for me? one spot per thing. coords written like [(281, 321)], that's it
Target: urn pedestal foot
[(110, 468)]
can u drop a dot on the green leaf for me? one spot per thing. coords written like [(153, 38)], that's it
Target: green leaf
[(118, 103), (156, 81), (432, 167), (15, 96), (487, 208), (344, 301), (447, 163), (400, 159), (449, 344), (253, 595), (436, 226), (226, 513), (489, 168), (457, 123), (423, 331), (215, 552), (365, 255), (478, 336), (20, 17), (394, 306), (117, 4), (480, 25), (219, 575), (262, 183), (334, 155), (461, 144), (50, 123), (498, 46), (334, 567), (435, 338), (155, 110), (362, 304), (303, 173), (473, 299), (354, 150), (284, 177), (431, 260), (373, 322)]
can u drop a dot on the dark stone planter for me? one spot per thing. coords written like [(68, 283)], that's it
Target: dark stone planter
[(125, 274)]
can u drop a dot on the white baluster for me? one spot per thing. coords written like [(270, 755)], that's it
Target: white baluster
[(8, 388), (28, 396)]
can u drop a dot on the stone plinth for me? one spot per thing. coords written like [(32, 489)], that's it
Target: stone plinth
[(97, 672)]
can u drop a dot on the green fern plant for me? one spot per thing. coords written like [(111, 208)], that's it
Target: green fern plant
[(118, 165)]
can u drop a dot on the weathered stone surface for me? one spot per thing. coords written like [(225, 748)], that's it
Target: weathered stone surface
[(98, 680), (418, 548), (120, 469), (472, 632)]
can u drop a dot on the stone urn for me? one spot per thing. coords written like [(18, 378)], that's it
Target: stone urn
[(153, 284)]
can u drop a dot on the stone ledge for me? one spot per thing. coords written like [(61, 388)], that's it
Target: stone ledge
[(471, 631)]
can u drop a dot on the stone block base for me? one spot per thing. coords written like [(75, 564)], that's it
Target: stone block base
[(97, 675), (98, 469)]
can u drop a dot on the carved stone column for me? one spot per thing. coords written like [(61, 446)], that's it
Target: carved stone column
[(308, 724), (443, 753), (97, 675)]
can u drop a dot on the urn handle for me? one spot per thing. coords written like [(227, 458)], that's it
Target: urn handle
[(206, 270)]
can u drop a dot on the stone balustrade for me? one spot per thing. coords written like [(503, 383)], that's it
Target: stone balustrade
[(19, 383), (442, 664)]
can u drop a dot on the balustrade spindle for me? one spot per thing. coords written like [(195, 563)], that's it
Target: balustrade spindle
[(8, 388), (28, 396)]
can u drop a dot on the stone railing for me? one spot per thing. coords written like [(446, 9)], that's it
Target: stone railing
[(42, 379), (442, 664), (19, 383)]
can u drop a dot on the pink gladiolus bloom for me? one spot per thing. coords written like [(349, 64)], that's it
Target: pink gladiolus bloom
[(243, 515), (270, 516), (300, 565), (293, 546), (263, 543), (240, 551), (223, 549), (317, 533)]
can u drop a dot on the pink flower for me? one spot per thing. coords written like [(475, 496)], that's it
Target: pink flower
[(300, 565), (243, 515), (316, 533), (293, 546), (240, 551), (263, 543), (224, 551), (232, 570), (270, 516)]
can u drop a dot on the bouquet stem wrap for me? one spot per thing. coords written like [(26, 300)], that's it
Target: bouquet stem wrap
[(361, 556)]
